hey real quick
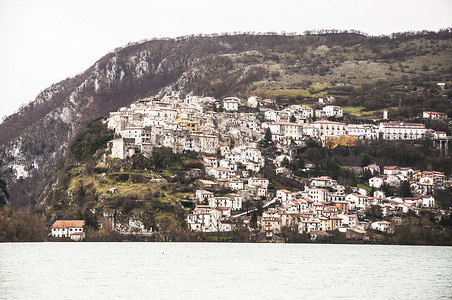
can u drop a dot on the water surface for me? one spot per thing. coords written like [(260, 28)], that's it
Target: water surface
[(223, 271)]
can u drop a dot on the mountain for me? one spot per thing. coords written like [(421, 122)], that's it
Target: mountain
[(369, 73)]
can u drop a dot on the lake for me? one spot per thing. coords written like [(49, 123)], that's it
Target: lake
[(223, 271)]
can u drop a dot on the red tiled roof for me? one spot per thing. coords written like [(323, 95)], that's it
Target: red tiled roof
[(434, 112), (68, 223), (223, 208), (390, 167)]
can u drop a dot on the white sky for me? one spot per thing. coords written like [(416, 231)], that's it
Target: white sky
[(43, 42)]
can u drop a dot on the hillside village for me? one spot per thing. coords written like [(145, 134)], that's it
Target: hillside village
[(326, 104), (229, 135)]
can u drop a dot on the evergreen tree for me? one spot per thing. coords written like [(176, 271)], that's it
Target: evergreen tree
[(405, 190), (364, 159), (285, 163), (253, 220), (268, 135)]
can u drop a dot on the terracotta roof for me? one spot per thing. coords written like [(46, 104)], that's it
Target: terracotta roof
[(222, 169), (210, 157), (390, 167), (434, 112), (223, 208), (359, 196), (68, 223)]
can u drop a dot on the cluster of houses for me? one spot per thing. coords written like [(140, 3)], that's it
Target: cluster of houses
[(322, 206), (421, 182), (229, 141), (190, 124)]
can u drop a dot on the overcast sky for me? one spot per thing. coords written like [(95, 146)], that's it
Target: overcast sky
[(43, 42)]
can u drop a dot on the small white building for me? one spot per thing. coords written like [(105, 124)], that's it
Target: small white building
[(322, 182), (434, 115), (333, 111), (373, 168), (308, 226), (236, 184), (360, 201), (202, 195), (428, 201), (231, 104), (259, 181), (377, 181), (221, 173), (72, 229), (383, 226), (205, 219), (233, 201), (133, 133), (283, 195), (318, 194)]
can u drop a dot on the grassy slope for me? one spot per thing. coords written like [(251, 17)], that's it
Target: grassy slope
[(85, 177), (344, 72)]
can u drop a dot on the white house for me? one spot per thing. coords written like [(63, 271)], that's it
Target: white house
[(360, 201), (221, 173), (349, 219), (283, 195), (205, 219), (383, 226), (231, 104), (402, 131), (333, 111), (232, 156), (377, 181), (226, 163), (434, 115), (328, 128), (235, 184), (363, 131), (318, 194), (271, 115), (373, 168), (133, 132), (322, 181), (202, 195), (308, 226), (428, 201), (290, 130), (118, 148), (259, 181), (234, 202), (72, 229)]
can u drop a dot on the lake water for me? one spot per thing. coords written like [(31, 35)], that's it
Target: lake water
[(223, 271)]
